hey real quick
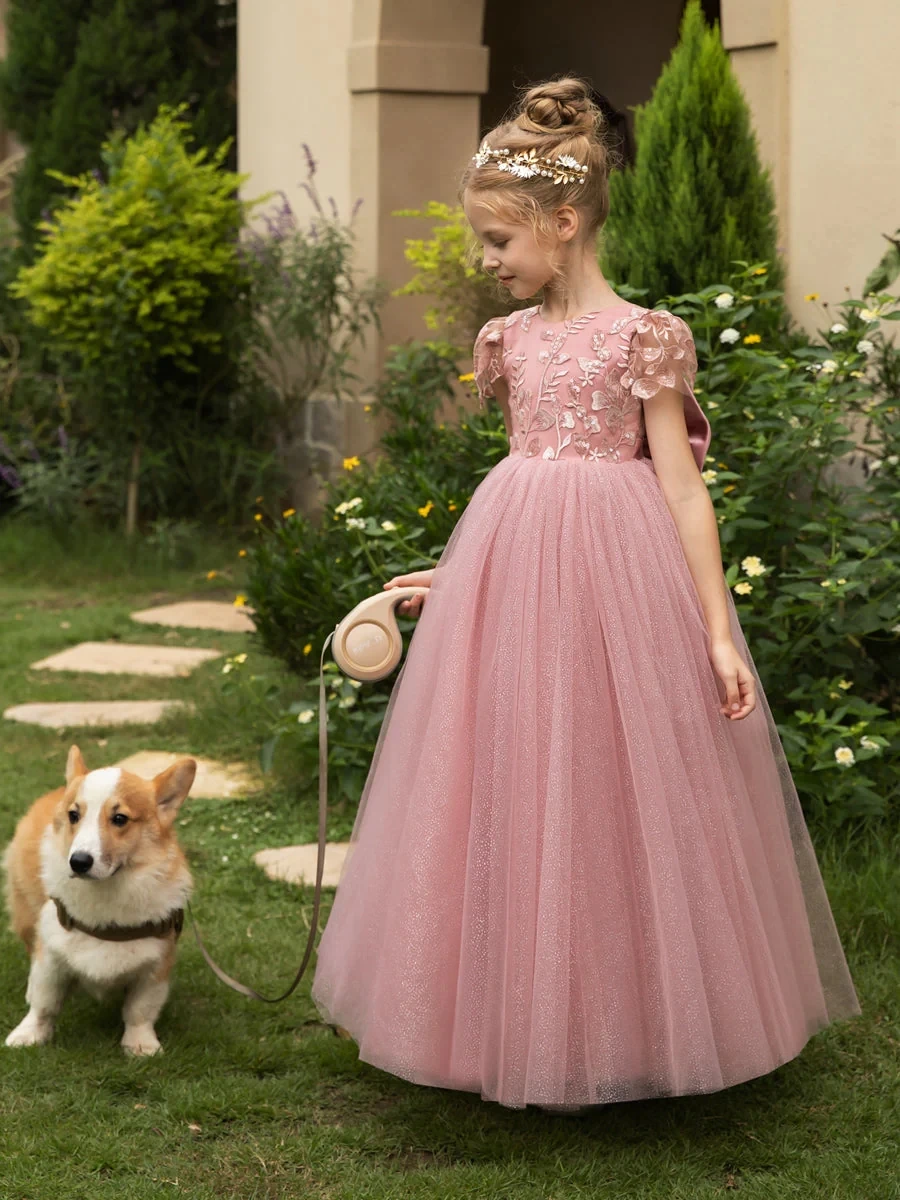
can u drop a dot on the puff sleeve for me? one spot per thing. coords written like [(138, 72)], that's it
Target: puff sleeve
[(663, 355), (488, 357)]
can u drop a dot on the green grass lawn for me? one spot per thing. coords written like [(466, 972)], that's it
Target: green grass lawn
[(252, 1100)]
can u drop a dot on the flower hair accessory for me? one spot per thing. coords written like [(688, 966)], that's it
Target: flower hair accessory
[(562, 169)]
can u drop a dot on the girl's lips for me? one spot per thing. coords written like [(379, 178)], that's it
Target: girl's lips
[(505, 278)]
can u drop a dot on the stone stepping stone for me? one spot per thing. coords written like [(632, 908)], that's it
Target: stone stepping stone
[(76, 713), (122, 658), (213, 781), (297, 864), (199, 614)]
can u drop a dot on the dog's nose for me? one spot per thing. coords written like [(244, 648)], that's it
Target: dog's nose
[(81, 862)]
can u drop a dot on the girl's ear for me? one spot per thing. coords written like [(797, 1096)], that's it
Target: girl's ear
[(567, 222)]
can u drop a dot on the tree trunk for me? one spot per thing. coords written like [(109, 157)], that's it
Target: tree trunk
[(132, 499)]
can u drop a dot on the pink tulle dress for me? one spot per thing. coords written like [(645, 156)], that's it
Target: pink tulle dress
[(572, 880)]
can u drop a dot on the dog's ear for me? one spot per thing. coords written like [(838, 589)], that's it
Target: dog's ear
[(172, 786), (75, 766)]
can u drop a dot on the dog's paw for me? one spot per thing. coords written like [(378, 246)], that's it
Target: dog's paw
[(141, 1041), (30, 1032)]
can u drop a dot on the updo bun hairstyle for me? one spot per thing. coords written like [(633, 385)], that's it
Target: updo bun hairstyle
[(552, 118)]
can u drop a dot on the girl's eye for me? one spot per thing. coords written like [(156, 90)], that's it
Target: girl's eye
[(120, 819), (73, 816), (500, 245)]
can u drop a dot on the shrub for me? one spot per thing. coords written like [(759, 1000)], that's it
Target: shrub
[(73, 72), (310, 310), (139, 278), (696, 199)]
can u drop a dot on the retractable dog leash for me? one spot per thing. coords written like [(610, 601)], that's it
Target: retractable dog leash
[(367, 645)]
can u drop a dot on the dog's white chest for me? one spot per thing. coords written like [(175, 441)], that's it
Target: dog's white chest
[(104, 964)]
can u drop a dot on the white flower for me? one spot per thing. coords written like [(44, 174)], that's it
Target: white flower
[(357, 500), (753, 565), (794, 422), (724, 300), (355, 523), (893, 459), (346, 701), (845, 756), (710, 458), (729, 335), (749, 413), (228, 667), (828, 366), (815, 442), (874, 464), (814, 367), (870, 314), (743, 588), (388, 525), (837, 327), (709, 476), (868, 743), (306, 716), (864, 346)]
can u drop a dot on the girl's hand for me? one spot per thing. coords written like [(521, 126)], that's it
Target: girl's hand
[(413, 606), (740, 686)]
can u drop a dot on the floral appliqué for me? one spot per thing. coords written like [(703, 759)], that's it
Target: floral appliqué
[(589, 404)]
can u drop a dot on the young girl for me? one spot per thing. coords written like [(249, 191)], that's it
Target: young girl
[(579, 872)]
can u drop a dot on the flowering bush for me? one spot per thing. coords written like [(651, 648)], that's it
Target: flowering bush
[(811, 553)]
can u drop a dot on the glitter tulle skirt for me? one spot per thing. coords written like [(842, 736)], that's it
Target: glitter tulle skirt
[(571, 879)]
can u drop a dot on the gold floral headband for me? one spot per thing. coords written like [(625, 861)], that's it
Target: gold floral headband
[(563, 169)]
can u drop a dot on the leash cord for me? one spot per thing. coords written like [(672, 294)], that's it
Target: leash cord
[(320, 862)]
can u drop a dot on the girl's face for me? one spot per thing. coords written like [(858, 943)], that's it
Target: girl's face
[(510, 251)]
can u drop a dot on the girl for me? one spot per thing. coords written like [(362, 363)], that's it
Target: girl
[(579, 872)]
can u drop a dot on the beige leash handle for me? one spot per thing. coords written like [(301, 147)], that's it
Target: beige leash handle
[(320, 863), (368, 648)]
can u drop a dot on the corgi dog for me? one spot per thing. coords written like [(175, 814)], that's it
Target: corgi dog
[(96, 885)]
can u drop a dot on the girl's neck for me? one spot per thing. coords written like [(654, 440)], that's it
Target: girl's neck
[(587, 291)]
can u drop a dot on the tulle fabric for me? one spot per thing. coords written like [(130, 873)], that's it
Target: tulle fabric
[(571, 879)]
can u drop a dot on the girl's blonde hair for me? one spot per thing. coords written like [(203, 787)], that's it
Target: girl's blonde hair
[(552, 118)]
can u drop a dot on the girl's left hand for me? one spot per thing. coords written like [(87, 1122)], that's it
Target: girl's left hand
[(740, 686)]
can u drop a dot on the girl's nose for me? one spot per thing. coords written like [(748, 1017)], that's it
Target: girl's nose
[(490, 262)]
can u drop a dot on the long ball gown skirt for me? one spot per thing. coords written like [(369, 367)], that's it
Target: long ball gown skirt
[(572, 880)]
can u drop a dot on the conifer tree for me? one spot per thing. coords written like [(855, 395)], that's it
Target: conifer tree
[(697, 197), (77, 69)]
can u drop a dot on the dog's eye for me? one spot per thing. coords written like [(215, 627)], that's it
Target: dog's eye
[(120, 819), (73, 816)]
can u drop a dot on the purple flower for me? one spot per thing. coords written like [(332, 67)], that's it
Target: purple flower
[(312, 195), (96, 174), (10, 478), (334, 211), (311, 163), (356, 208), (63, 438)]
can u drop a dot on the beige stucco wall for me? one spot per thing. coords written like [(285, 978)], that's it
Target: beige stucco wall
[(820, 77)]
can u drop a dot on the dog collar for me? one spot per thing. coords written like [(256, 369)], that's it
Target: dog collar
[(123, 933)]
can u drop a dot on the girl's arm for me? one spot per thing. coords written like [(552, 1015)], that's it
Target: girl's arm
[(687, 497)]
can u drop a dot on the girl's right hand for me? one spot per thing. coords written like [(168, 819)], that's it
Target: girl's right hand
[(413, 606)]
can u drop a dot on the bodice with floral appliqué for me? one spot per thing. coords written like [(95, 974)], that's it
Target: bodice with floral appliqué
[(577, 388)]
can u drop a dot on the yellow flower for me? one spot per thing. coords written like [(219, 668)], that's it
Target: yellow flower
[(724, 466), (751, 339), (425, 509), (451, 508), (350, 463), (811, 296), (259, 499), (242, 553), (760, 271), (842, 581), (289, 512), (307, 648), (239, 601), (845, 683), (826, 583), (240, 658), (743, 589), (467, 378), (211, 574), (730, 487), (367, 408), (258, 517)]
